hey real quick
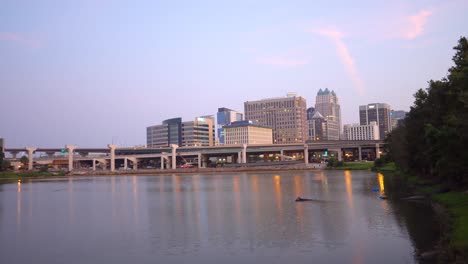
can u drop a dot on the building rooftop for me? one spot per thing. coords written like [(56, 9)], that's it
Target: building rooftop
[(244, 123)]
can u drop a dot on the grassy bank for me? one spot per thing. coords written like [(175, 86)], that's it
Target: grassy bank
[(355, 166), (456, 204), (28, 174)]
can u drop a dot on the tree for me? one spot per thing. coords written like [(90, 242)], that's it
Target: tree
[(431, 141), (24, 160)]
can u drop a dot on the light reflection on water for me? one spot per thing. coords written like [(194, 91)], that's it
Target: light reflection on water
[(202, 218)]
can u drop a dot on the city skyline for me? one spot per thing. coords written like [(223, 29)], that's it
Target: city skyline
[(99, 72)]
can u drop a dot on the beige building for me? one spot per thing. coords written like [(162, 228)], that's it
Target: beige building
[(362, 132), (286, 116), (247, 132), (199, 132)]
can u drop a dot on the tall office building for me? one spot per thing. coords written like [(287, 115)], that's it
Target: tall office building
[(224, 117), (327, 104), (310, 113), (199, 132), (169, 132), (286, 116), (379, 113), (317, 127)]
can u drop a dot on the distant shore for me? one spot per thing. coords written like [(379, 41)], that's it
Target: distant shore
[(50, 174)]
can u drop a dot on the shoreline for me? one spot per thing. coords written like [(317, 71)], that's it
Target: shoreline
[(146, 172)]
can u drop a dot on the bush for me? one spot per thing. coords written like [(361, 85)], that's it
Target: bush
[(333, 163)]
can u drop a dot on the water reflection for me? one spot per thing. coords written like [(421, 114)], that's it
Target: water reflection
[(200, 217)]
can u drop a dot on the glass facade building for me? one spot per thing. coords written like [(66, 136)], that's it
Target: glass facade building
[(224, 117), (379, 113)]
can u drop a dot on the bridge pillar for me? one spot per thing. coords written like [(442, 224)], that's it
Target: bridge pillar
[(112, 156), (125, 163), (281, 155), (135, 164), (94, 164), (174, 156), (70, 149), (162, 161), (30, 157), (239, 157), (377, 151), (199, 160), (13, 154), (360, 153), (340, 154), (306, 154), (244, 153)]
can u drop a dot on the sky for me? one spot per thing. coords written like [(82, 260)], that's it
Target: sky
[(94, 72)]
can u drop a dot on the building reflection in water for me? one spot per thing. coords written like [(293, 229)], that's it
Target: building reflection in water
[(18, 206), (278, 195), (349, 188)]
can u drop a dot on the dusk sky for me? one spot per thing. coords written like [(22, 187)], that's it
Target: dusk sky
[(93, 72)]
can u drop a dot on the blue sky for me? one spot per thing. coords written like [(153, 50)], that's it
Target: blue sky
[(92, 72)]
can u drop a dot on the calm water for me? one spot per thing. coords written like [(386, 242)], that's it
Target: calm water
[(233, 218)]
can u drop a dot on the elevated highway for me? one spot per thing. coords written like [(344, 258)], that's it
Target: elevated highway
[(168, 155)]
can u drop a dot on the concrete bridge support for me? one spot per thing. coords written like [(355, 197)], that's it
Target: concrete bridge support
[(162, 161), (244, 153), (112, 156), (281, 155), (360, 153), (174, 156), (70, 149), (13, 154), (239, 157), (30, 157), (125, 163), (102, 161), (134, 161), (377, 151), (306, 154), (199, 160)]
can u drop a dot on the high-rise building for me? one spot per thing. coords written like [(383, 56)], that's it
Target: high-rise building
[(224, 117), (247, 132), (199, 132), (286, 116), (317, 127), (397, 117), (362, 132), (327, 104), (310, 113), (169, 132), (379, 113)]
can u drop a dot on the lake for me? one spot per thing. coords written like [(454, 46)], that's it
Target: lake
[(230, 218)]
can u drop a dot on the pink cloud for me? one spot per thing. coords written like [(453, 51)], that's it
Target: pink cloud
[(20, 39), (416, 24), (344, 54), (281, 61)]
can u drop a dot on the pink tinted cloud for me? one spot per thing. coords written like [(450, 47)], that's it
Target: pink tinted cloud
[(20, 39), (344, 54), (416, 24), (283, 62)]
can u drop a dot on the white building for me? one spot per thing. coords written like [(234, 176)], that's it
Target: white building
[(362, 132), (247, 132)]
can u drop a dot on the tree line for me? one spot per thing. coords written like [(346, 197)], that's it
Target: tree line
[(432, 142)]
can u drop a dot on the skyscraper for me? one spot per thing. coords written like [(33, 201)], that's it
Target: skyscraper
[(169, 132), (379, 113), (326, 103), (397, 117), (199, 132), (224, 117), (286, 116)]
